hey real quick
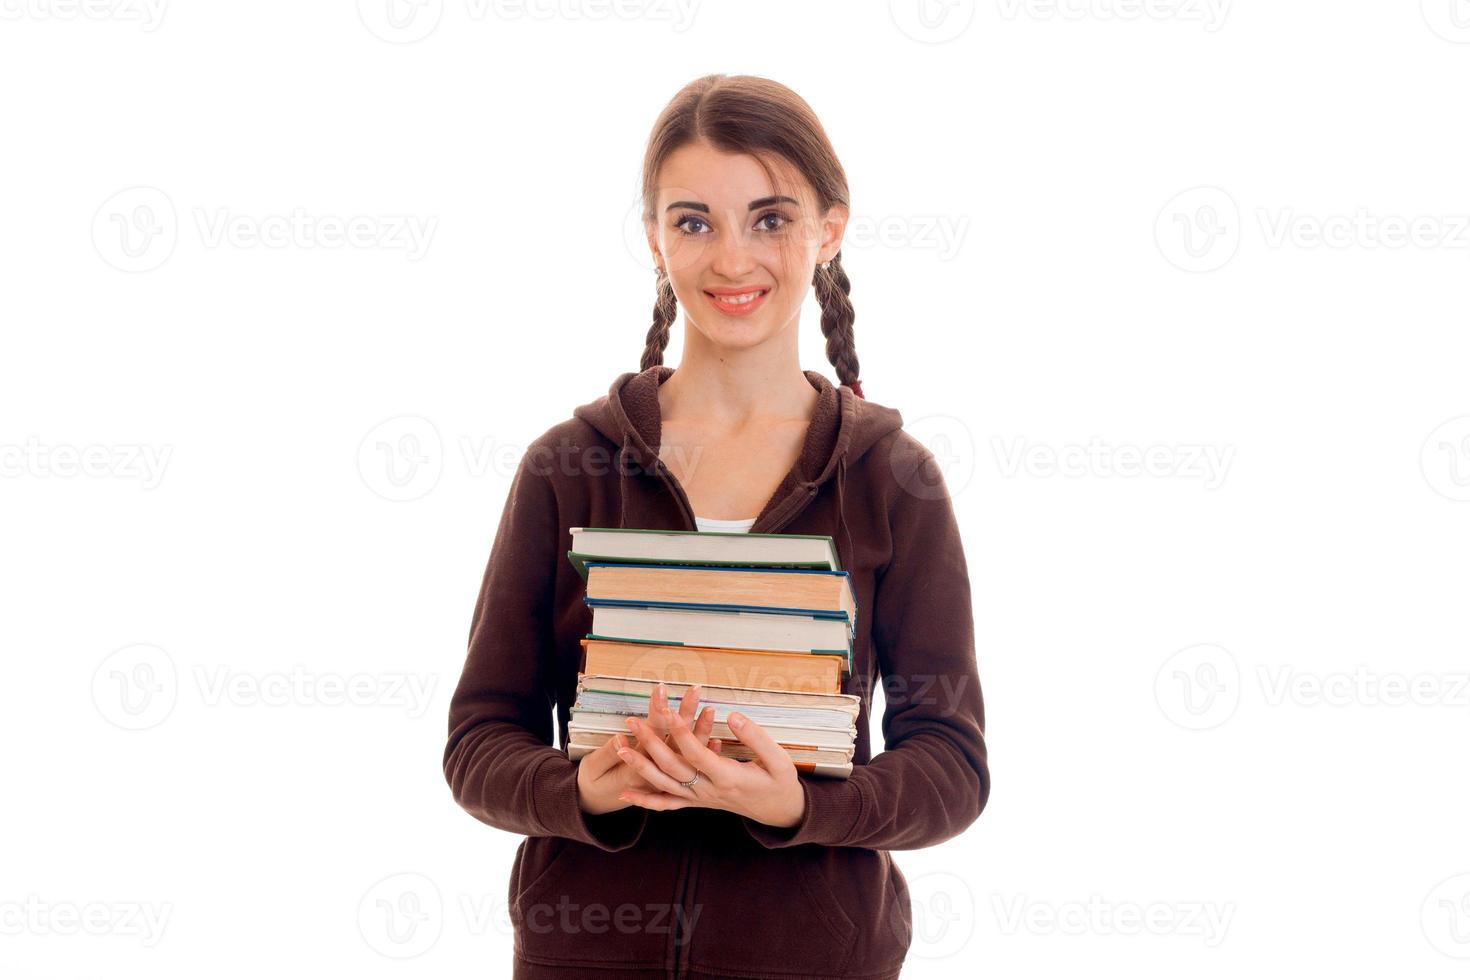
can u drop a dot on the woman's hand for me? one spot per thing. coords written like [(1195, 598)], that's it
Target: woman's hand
[(767, 790), (602, 775)]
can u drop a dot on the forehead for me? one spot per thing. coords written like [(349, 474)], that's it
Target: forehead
[(700, 172)]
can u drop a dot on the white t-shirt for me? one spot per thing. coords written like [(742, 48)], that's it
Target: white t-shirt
[(709, 524)]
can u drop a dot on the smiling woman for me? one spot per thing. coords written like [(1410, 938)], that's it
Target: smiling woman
[(667, 858)]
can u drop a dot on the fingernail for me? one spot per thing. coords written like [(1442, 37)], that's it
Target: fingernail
[(632, 724), (736, 719)]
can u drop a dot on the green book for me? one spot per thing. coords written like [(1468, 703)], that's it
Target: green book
[(742, 549)]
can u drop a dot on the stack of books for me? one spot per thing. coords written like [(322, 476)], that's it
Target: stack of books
[(763, 623)]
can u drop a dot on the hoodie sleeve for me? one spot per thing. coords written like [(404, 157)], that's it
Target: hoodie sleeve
[(932, 780), (500, 761)]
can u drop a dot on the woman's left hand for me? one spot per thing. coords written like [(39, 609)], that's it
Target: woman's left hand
[(767, 789)]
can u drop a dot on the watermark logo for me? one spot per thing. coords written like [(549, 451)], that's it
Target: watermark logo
[(136, 687), (1198, 687), (1450, 19), (945, 914), (136, 229), (400, 21), (1198, 230), (1445, 917), (1445, 459), (932, 21), (401, 458), (949, 441), (401, 916)]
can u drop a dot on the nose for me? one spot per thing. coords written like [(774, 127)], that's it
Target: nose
[(731, 253)]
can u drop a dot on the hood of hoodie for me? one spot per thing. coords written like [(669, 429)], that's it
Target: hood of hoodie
[(842, 429)]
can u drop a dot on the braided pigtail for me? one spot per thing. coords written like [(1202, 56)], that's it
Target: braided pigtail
[(832, 287), (665, 307)]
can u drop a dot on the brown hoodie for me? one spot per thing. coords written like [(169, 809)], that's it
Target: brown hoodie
[(700, 892)]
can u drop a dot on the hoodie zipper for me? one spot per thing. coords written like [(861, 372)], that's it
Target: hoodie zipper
[(786, 512)]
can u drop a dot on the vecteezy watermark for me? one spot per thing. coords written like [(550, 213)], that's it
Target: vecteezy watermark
[(219, 684), (404, 915), (34, 916), (121, 461), (1198, 687), (147, 14), (1210, 14), (137, 687), (1361, 687), (1362, 229), (1201, 687), (1198, 230), (1445, 459), (1096, 916), (402, 458), (407, 21), (942, 234), (1204, 462), (137, 230), (401, 916), (1445, 916), (1450, 19)]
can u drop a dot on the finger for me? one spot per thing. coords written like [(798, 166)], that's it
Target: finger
[(665, 756), (601, 759), (704, 724), (655, 801), (658, 709), (696, 751), (689, 704), (767, 751), (650, 771)]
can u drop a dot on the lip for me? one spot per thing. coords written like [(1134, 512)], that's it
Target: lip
[(717, 298)]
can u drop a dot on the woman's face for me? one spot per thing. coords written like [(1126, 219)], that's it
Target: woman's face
[(720, 228)]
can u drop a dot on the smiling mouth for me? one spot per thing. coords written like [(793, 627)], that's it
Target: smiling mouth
[(739, 302)]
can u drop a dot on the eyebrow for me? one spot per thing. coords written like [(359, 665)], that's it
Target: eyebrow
[(758, 203)]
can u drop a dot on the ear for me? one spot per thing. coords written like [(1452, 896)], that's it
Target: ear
[(653, 249), (834, 226)]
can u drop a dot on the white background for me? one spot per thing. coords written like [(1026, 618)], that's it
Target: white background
[(1226, 698)]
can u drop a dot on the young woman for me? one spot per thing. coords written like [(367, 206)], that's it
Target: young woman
[(664, 859)]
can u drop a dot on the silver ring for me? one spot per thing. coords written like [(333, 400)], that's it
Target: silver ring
[(692, 780)]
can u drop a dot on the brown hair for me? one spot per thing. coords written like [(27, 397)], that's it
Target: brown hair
[(757, 116)]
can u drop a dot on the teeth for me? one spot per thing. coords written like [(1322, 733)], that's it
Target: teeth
[(741, 299)]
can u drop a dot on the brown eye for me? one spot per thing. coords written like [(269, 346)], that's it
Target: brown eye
[(781, 219), (683, 224)]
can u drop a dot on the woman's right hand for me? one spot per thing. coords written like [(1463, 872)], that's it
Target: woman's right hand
[(601, 775)]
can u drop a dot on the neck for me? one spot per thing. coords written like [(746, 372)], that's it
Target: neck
[(733, 387)]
